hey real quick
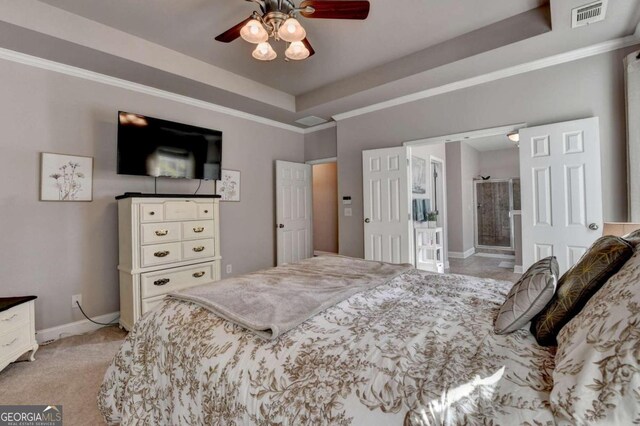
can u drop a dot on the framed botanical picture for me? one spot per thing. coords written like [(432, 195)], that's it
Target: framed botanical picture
[(228, 187), (66, 178)]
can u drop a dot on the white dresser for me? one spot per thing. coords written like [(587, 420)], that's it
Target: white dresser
[(17, 329), (166, 244)]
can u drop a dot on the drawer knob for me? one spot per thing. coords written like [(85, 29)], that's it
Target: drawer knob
[(198, 249), (198, 229), (206, 211), (10, 343), (163, 253), (152, 213), (10, 318), (162, 281), (198, 274), (162, 232)]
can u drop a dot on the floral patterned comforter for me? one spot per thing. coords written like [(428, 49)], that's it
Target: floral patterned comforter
[(417, 350)]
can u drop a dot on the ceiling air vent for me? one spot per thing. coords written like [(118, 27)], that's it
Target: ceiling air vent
[(588, 14), (311, 121)]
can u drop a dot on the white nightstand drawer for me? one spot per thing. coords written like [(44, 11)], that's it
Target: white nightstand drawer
[(199, 229), (154, 233), (16, 340), (197, 249), (151, 213), (14, 317), (159, 254), (162, 282), (205, 210), (180, 210), (150, 303)]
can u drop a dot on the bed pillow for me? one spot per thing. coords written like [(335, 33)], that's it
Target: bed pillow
[(603, 259), (633, 238), (597, 373), (528, 296)]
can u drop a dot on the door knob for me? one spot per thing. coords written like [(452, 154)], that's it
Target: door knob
[(281, 226), (367, 220), (593, 226)]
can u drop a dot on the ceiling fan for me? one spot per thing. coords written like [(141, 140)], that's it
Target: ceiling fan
[(277, 19)]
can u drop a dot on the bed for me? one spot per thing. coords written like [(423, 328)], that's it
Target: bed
[(418, 348)]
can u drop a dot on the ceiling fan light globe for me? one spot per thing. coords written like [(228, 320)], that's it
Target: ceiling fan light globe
[(264, 52), (297, 51), (254, 32), (291, 31)]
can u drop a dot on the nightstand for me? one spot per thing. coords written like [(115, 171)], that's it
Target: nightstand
[(17, 329)]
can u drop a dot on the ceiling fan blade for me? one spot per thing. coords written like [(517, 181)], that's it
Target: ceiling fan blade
[(308, 46), (327, 9), (232, 33)]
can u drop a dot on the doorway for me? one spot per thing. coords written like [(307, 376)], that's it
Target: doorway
[(495, 202), (325, 206)]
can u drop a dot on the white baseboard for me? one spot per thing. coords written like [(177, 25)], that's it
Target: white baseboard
[(74, 328), (517, 269), (496, 255), (462, 255)]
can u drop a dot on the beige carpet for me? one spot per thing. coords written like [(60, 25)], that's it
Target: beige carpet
[(68, 372)]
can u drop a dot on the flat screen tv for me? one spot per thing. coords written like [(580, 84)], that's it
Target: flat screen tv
[(150, 146)]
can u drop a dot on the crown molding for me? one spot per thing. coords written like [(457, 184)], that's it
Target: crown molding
[(547, 62), (34, 61), (320, 127)]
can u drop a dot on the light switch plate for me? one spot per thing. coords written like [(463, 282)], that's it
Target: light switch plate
[(348, 212)]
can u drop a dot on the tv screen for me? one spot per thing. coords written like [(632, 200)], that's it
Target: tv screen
[(150, 146)]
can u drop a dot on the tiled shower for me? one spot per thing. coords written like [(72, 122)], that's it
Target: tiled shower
[(495, 200)]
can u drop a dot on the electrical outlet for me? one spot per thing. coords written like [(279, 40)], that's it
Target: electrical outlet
[(229, 269), (76, 298)]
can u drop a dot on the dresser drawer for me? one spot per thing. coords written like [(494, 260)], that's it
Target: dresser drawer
[(18, 340), (159, 254), (197, 249), (162, 282), (198, 229), (205, 210), (150, 303), (180, 210), (14, 317), (154, 233), (151, 212)]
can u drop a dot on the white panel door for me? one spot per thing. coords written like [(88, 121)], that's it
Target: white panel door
[(561, 190), (385, 178), (293, 211)]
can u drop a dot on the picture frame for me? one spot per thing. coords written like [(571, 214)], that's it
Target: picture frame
[(419, 175), (228, 187), (66, 177)]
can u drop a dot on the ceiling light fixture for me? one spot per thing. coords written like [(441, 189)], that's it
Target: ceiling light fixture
[(277, 20), (514, 136), (297, 51), (264, 52)]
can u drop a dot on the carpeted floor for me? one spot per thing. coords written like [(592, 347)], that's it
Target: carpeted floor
[(68, 372)]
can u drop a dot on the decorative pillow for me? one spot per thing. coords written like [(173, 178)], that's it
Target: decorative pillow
[(528, 296), (597, 373), (603, 259), (633, 238)]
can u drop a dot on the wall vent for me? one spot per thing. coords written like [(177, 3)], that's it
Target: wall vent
[(588, 14)]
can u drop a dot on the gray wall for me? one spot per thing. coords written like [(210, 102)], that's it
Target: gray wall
[(53, 249), (321, 144), (501, 163), (463, 165), (589, 87)]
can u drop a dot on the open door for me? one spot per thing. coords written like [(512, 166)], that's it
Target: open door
[(561, 191), (293, 212), (387, 221)]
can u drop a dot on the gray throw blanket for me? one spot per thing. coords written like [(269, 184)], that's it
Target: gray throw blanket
[(273, 301)]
